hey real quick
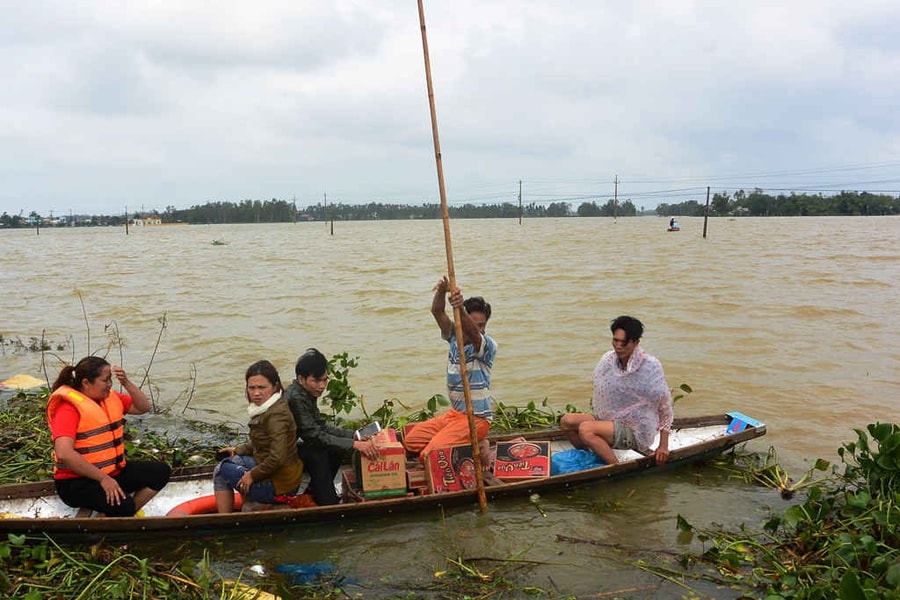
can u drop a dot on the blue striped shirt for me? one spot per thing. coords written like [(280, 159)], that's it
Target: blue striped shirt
[(478, 368)]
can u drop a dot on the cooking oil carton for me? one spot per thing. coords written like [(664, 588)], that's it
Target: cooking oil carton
[(385, 476), (385, 436)]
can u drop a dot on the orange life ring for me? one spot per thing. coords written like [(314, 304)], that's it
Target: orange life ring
[(203, 505)]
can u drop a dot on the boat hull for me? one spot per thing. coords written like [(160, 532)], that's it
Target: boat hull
[(714, 439)]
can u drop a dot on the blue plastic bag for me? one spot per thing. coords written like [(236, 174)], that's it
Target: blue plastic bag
[(569, 461), (298, 573)]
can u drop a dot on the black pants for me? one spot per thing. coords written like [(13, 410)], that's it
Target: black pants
[(82, 492), (322, 465)]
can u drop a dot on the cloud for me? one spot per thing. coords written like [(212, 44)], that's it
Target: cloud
[(172, 103)]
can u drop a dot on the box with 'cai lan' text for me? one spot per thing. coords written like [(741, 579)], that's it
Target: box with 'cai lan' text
[(385, 476)]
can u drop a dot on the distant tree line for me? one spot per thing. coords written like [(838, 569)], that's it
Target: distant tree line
[(753, 204), (246, 211), (378, 210), (760, 204)]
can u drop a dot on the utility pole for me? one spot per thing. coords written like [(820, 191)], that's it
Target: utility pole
[(616, 200), (520, 202), (706, 213)]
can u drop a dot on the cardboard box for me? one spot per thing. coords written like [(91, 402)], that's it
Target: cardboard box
[(522, 460), (384, 477), (350, 487), (450, 469), (406, 429), (416, 480), (385, 436)]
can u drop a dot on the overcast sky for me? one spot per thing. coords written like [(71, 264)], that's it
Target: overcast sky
[(108, 104)]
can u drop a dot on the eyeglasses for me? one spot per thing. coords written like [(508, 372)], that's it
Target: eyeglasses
[(618, 342)]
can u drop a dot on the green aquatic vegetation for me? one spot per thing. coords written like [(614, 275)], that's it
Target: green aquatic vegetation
[(16, 345), (515, 418), (388, 416), (766, 470), (681, 392), (38, 567), (343, 400), (844, 534), (25, 440), (340, 396)]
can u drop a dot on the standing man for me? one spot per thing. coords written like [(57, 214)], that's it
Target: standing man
[(452, 427), (632, 401), (321, 446)]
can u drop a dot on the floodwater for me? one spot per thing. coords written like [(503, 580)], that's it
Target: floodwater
[(790, 320)]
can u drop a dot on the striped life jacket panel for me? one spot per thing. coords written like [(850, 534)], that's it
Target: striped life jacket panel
[(100, 432)]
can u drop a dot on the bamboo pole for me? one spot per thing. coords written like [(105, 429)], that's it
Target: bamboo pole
[(451, 273)]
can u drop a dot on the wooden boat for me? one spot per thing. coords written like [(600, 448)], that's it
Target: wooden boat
[(34, 507)]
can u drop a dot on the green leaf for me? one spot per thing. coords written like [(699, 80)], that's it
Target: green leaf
[(794, 515), (863, 440), (892, 577), (683, 525), (869, 544), (881, 431), (887, 462), (859, 500), (850, 588)]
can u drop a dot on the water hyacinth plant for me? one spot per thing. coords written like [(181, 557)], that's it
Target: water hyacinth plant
[(842, 539)]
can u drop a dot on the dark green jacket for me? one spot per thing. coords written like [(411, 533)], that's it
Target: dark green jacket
[(311, 426)]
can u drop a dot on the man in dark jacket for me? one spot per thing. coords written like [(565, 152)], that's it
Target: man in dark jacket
[(321, 446)]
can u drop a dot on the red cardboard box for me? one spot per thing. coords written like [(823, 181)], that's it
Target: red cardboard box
[(385, 436), (406, 429), (416, 480), (450, 469), (350, 487), (522, 460), (385, 476)]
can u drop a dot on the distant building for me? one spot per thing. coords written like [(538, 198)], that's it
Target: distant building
[(146, 221)]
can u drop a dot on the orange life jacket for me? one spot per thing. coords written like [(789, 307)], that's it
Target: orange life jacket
[(98, 437)]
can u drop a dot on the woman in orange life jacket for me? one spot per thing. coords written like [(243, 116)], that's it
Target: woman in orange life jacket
[(86, 421)]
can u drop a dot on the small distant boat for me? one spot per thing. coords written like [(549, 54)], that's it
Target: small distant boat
[(185, 503), (676, 228)]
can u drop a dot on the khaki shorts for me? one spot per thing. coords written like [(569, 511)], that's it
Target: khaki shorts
[(623, 437)]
